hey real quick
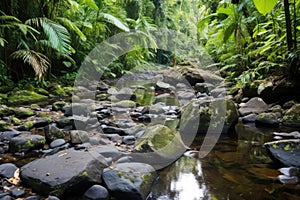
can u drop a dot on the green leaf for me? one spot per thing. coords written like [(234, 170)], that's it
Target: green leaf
[(72, 26), (265, 6), (263, 86), (115, 21), (298, 27), (228, 32), (2, 42), (92, 4)]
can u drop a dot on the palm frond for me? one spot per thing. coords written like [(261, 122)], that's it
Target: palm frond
[(38, 61), (115, 21), (72, 26), (2, 42), (57, 34)]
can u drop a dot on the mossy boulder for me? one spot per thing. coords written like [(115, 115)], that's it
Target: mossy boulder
[(3, 98), (6, 111), (220, 115), (3, 125), (42, 91), (15, 121), (158, 146), (58, 105), (292, 116), (56, 89), (25, 97), (22, 112), (26, 142), (129, 181), (28, 87), (267, 119)]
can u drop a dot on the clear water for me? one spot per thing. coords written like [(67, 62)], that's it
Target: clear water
[(237, 168)]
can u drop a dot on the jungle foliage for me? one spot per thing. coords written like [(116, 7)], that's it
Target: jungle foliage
[(248, 39)]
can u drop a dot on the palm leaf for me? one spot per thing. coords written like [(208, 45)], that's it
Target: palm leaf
[(115, 21), (72, 26), (57, 34), (2, 41), (38, 61)]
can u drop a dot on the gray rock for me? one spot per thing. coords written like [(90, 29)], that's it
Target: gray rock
[(292, 116), (255, 105), (249, 118), (52, 132), (7, 170), (267, 119), (17, 192), (290, 171), (78, 136), (204, 87), (129, 181), (68, 172), (26, 142), (32, 198), (130, 140), (7, 135), (65, 121), (40, 122), (57, 143), (96, 192), (58, 105)]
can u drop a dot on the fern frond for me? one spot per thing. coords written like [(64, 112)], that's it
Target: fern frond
[(57, 34), (38, 61)]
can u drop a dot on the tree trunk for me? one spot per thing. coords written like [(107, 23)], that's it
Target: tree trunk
[(289, 36)]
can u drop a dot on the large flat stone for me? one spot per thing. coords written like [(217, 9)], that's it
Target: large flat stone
[(67, 172)]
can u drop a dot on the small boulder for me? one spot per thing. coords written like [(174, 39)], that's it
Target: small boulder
[(96, 192), (129, 181), (22, 112), (255, 105), (292, 116), (7, 170), (267, 119), (26, 142)]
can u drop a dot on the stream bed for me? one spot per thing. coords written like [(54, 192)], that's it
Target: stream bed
[(237, 168)]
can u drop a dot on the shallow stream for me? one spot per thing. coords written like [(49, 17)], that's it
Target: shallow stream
[(235, 169)]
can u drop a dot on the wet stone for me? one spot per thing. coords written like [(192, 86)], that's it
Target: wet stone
[(5, 197), (130, 140), (249, 118), (7, 135), (96, 192), (17, 193), (288, 179), (52, 198), (26, 142), (32, 198), (57, 143), (7, 170), (290, 171)]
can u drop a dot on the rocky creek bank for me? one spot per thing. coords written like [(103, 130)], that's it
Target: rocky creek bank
[(110, 141)]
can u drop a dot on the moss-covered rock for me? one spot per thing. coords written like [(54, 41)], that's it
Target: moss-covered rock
[(25, 97), (28, 87), (267, 119), (3, 98), (129, 180), (42, 91), (56, 89), (6, 111), (22, 112), (3, 125), (292, 116), (201, 114), (58, 105), (26, 142), (15, 121)]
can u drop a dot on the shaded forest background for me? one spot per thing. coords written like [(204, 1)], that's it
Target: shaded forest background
[(249, 40)]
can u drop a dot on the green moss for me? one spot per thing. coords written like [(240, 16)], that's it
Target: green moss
[(42, 91), (15, 121), (287, 147), (28, 125), (23, 97), (28, 87), (85, 174)]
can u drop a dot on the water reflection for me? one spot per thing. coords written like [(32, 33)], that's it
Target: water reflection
[(182, 180), (236, 169)]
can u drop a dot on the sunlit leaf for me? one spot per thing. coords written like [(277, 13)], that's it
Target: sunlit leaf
[(115, 21), (265, 6)]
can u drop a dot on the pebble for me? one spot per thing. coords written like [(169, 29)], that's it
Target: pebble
[(57, 143), (96, 192), (17, 193), (130, 140)]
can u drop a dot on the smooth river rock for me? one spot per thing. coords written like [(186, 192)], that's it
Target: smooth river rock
[(68, 172)]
